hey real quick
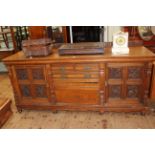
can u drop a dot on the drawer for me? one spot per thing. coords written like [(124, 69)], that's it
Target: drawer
[(76, 86), (87, 67), (75, 67), (76, 75), (67, 80), (76, 97), (62, 67)]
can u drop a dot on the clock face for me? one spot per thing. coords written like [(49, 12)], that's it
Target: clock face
[(120, 40)]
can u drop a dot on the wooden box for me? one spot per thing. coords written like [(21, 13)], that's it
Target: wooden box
[(5, 110), (81, 48), (37, 47)]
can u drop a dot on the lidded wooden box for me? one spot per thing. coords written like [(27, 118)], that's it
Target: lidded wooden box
[(37, 47)]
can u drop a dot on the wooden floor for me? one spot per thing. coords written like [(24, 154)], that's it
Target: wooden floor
[(64, 119)]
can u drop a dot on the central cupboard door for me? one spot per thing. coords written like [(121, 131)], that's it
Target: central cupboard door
[(76, 84)]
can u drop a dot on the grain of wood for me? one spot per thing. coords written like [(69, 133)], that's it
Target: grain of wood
[(31, 119)]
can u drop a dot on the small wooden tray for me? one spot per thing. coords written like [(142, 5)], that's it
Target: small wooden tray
[(82, 48)]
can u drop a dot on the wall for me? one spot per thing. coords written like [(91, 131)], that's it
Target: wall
[(108, 32)]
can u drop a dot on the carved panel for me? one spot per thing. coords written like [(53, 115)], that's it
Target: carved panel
[(22, 74), (25, 90), (115, 91), (115, 73), (132, 91), (38, 74), (134, 73), (40, 91)]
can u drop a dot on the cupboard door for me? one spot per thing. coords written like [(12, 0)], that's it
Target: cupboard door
[(32, 84), (135, 82), (115, 87), (125, 84)]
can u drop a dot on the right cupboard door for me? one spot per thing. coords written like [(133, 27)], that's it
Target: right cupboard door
[(125, 84)]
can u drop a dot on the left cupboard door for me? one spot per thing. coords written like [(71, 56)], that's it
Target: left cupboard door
[(31, 84)]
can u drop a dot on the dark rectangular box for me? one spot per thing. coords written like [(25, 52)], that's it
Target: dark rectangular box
[(82, 48), (37, 47)]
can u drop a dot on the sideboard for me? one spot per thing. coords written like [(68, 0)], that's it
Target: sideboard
[(103, 82)]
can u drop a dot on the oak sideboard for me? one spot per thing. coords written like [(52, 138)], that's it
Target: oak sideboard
[(103, 82)]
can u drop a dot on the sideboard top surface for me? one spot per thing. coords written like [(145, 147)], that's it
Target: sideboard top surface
[(138, 53)]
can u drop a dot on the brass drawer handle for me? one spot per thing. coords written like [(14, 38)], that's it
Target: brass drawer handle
[(63, 76), (62, 68), (87, 76), (87, 67)]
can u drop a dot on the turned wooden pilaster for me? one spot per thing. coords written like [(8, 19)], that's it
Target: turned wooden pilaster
[(102, 82)]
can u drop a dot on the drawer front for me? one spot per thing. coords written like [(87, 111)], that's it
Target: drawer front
[(62, 67), (77, 97), (75, 86), (75, 67), (75, 73), (87, 67)]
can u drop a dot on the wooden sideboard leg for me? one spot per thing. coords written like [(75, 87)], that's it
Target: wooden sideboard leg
[(101, 112), (55, 111), (19, 110), (145, 112)]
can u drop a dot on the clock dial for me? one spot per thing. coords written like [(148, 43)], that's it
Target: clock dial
[(120, 40)]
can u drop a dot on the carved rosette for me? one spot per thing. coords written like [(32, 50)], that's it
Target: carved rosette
[(87, 75), (134, 73), (38, 74), (132, 91), (40, 91), (22, 74), (115, 73), (115, 91), (25, 89)]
